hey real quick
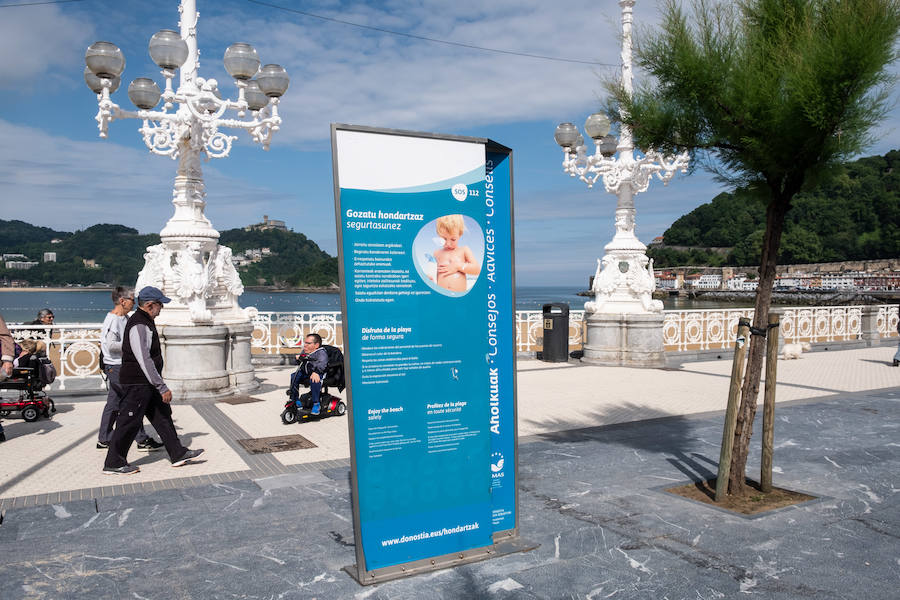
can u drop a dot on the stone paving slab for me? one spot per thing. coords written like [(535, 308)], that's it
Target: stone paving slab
[(591, 498), (263, 419), (51, 455), (58, 455)]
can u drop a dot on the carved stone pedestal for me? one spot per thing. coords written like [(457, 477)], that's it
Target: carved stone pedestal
[(624, 340), (207, 362), (242, 377)]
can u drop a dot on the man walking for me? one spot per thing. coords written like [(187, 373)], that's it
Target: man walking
[(111, 335), (143, 390)]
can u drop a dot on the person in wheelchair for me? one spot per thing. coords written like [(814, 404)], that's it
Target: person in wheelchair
[(30, 357), (32, 371), (311, 372)]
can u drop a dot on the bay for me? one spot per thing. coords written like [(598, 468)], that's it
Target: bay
[(91, 306)]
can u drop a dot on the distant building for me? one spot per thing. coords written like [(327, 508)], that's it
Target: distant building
[(90, 263), (787, 282), (692, 281), (20, 264), (56, 241), (267, 223), (666, 281), (838, 281), (709, 281), (49, 256), (657, 241), (14, 257), (736, 282)]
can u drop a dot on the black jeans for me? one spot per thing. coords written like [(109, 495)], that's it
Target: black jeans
[(139, 401), (111, 409)]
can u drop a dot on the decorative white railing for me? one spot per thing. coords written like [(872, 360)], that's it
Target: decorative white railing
[(283, 332), (75, 348), (530, 330), (888, 315), (691, 330)]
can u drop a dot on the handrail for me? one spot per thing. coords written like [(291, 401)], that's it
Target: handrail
[(75, 348)]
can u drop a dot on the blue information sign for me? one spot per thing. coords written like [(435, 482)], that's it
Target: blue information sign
[(426, 255)]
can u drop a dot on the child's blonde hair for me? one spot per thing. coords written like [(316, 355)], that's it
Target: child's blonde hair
[(33, 346), (450, 224)]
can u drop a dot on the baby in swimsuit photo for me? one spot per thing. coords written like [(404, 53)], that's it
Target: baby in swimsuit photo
[(454, 262)]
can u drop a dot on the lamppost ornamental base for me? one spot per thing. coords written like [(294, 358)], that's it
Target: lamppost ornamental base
[(624, 340), (205, 363)]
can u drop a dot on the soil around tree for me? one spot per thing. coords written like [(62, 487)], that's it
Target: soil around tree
[(753, 502)]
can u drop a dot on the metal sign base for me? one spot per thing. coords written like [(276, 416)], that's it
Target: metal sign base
[(502, 548)]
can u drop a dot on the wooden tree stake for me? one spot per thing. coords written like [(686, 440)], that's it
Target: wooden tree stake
[(734, 391), (768, 434)]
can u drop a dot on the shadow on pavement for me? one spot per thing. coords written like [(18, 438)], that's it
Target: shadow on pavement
[(656, 431), (37, 467)]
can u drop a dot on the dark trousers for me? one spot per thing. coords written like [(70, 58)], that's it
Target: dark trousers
[(111, 410), (139, 401), (299, 378)]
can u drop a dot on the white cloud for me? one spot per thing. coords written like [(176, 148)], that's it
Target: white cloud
[(345, 74), (64, 184), (36, 41)]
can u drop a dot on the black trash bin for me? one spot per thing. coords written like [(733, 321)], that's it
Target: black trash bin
[(556, 332)]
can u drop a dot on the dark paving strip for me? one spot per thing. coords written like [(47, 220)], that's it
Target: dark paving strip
[(260, 465), (263, 465), (155, 486)]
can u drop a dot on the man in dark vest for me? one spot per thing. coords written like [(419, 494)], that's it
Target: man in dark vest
[(144, 391)]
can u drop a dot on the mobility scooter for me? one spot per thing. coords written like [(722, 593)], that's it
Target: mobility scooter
[(329, 405)]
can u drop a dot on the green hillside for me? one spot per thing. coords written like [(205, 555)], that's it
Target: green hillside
[(119, 252), (854, 215)]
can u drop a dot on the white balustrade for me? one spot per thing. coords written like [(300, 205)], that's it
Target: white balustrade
[(75, 348), (283, 332)]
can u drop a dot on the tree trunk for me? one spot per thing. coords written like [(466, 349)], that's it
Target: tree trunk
[(775, 213)]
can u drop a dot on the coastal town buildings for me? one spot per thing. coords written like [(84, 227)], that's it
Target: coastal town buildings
[(252, 255), (20, 264), (727, 279)]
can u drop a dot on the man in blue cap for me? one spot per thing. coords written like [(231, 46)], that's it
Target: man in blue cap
[(144, 391)]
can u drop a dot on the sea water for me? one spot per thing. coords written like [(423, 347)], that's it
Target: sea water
[(91, 306)]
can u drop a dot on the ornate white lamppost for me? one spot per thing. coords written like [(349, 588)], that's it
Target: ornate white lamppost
[(623, 324), (205, 332)]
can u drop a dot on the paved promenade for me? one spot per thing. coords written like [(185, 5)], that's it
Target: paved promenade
[(596, 444)]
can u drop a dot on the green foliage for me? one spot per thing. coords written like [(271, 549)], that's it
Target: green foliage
[(727, 219), (295, 261), (774, 91), (853, 215), (18, 237), (119, 250), (671, 257)]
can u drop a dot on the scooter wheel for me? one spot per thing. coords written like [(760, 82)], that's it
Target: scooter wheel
[(30, 414), (341, 408), (289, 417)]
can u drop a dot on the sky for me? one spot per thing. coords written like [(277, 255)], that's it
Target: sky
[(55, 170)]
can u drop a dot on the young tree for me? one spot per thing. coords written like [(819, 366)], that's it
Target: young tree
[(770, 94)]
